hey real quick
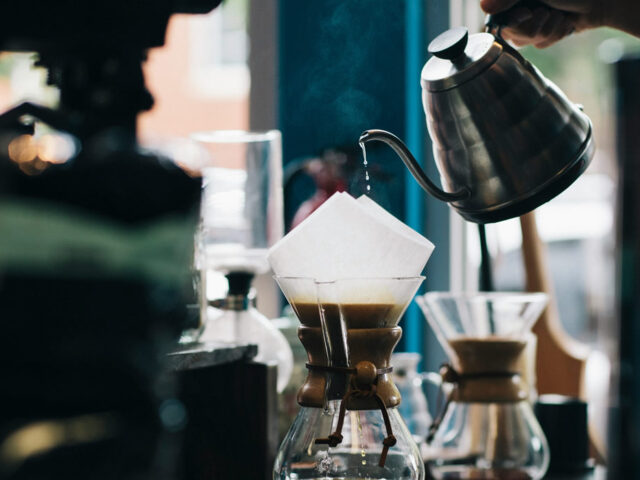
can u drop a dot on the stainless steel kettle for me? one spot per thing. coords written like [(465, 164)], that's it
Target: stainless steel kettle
[(505, 139)]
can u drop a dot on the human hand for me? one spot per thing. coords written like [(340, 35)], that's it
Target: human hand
[(546, 24)]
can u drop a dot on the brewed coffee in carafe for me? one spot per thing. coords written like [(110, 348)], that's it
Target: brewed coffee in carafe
[(486, 428), (348, 425)]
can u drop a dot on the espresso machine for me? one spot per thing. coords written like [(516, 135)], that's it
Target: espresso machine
[(96, 251)]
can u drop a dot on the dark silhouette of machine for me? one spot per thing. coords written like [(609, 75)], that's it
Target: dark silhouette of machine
[(95, 270)]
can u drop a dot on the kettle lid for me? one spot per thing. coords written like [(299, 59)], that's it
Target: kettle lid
[(458, 57)]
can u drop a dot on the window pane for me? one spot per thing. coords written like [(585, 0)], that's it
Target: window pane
[(200, 78)]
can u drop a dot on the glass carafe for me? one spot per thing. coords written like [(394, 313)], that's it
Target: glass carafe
[(349, 425), (241, 212), (240, 218), (487, 428)]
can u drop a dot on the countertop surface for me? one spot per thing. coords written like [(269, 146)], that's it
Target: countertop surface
[(189, 356)]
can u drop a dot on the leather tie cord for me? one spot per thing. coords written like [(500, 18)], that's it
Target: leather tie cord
[(345, 370), (451, 375), (362, 386)]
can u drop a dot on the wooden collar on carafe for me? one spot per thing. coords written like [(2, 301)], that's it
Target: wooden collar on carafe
[(364, 345), (487, 370)]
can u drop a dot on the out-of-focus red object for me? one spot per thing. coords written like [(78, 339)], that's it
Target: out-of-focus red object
[(336, 169), (328, 178)]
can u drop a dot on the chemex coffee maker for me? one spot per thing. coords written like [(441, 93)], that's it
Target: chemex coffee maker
[(486, 428), (97, 248), (348, 425), (349, 271)]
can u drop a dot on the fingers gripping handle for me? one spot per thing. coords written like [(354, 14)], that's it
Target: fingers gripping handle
[(501, 19)]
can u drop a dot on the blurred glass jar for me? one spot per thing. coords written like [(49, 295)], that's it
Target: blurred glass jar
[(242, 209), (241, 216), (235, 320), (414, 408)]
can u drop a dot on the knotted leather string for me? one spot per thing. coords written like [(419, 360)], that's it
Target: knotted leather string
[(452, 376), (345, 370), (363, 386)]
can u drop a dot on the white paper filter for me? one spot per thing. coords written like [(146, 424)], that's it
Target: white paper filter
[(349, 238)]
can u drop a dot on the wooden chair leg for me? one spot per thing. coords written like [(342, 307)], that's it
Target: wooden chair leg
[(561, 360)]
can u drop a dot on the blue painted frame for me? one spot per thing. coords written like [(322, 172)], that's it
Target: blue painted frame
[(414, 208), (435, 215)]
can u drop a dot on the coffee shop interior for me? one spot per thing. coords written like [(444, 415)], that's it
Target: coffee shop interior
[(276, 239)]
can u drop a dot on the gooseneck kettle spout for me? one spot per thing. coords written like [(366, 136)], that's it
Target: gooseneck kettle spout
[(409, 160)]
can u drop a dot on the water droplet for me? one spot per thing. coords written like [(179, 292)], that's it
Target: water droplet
[(364, 153), (365, 163), (361, 439)]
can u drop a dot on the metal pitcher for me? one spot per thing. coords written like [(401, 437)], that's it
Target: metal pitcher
[(505, 138)]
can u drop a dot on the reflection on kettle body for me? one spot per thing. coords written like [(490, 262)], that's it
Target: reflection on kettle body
[(505, 138)]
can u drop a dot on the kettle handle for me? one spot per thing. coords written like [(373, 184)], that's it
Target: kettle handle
[(502, 19), (405, 155), (494, 24)]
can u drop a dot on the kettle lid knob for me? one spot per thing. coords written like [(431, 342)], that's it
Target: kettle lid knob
[(449, 45)]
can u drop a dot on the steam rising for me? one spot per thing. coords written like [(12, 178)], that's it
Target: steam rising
[(337, 81)]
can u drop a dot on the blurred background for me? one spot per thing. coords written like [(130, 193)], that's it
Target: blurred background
[(322, 72)]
